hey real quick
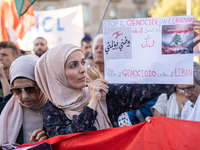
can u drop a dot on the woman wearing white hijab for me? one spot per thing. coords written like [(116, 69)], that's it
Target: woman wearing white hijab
[(21, 117), (72, 107)]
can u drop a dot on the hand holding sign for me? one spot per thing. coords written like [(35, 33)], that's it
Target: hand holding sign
[(149, 50)]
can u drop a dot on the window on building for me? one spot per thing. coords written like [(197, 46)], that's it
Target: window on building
[(50, 7), (86, 14), (139, 1), (112, 13), (139, 13)]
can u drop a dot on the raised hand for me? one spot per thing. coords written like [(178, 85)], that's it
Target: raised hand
[(96, 87), (96, 90)]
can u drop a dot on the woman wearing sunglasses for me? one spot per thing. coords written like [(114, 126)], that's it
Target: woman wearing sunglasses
[(21, 118), (72, 107)]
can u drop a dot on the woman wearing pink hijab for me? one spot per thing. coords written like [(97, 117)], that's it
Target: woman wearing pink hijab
[(73, 107), (21, 117)]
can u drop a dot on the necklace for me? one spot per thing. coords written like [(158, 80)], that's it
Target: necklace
[(38, 111), (34, 111)]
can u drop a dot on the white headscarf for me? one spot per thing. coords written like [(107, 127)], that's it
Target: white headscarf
[(11, 117)]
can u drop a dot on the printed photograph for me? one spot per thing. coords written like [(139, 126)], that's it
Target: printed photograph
[(177, 39)]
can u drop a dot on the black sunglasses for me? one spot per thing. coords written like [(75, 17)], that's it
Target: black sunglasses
[(28, 89)]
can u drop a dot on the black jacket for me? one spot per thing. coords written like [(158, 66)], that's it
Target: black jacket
[(20, 138)]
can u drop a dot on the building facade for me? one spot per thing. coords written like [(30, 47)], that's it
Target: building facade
[(93, 10)]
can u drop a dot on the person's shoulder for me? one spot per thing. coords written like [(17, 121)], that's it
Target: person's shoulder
[(163, 95), (2, 105), (172, 96), (7, 97), (50, 106), (162, 98), (47, 104)]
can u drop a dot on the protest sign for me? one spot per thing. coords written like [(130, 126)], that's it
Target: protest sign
[(57, 27), (149, 50)]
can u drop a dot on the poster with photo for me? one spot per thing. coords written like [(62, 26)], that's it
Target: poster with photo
[(177, 39), (149, 50)]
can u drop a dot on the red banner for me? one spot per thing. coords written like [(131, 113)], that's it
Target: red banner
[(161, 133)]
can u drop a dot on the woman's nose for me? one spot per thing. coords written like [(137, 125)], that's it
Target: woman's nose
[(24, 94), (83, 68)]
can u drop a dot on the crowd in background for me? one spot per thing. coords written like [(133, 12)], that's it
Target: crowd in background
[(62, 90)]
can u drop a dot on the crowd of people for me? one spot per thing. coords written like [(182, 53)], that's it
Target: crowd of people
[(63, 90)]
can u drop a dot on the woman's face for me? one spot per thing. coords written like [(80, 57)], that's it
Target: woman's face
[(98, 52), (75, 70), (29, 100)]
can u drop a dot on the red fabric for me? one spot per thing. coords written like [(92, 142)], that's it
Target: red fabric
[(161, 133), (3, 31), (8, 12)]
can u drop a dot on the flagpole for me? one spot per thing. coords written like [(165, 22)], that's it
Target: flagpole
[(103, 17), (188, 11)]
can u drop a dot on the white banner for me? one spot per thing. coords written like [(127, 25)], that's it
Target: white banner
[(57, 27), (149, 50)]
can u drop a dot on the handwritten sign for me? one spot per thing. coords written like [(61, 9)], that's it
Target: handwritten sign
[(121, 41), (149, 50)]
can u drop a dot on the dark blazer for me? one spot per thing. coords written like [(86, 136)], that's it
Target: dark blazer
[(20, 138)]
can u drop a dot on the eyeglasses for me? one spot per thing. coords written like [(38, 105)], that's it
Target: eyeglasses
[(28, 89), (187, 90)]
